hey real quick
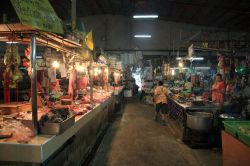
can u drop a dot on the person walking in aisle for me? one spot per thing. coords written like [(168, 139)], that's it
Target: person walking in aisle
[(160, 99)]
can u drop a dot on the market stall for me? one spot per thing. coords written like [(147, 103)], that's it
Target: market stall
[(62, 120), (200, 104)]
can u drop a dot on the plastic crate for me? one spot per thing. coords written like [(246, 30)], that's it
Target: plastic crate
[(232, 127), (245, 138)]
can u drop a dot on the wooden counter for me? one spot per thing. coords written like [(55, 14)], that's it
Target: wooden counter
[(14, 107), (51, 149), (234, 152)]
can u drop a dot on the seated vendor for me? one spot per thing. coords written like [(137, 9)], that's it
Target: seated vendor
[(188, 84), (197, 88), (218, 89)]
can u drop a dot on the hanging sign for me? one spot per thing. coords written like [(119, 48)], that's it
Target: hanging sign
[(38, 14), (204, 44)]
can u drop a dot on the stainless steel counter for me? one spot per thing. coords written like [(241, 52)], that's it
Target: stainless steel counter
[(41, 147)]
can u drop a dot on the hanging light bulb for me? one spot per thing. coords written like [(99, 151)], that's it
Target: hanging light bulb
[(181, 64), (172, 72), (55, 64), (80, 68), (99, 71)]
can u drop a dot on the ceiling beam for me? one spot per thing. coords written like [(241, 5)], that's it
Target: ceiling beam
[(237, 24), (181, 14), (170, 9), (197, 11), (122, 6), (220, 6), (111, 7), (220, 16), (100, 7), (211, 11), (225, 22)]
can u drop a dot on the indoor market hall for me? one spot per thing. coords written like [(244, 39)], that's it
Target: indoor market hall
[(124, 83)]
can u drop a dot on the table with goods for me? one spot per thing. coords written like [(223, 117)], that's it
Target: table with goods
[(66, 129), (199, 118)]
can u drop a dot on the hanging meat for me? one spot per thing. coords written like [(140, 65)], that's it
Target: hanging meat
[(83, 82), (72, 90), (12, 74), (26, 60)]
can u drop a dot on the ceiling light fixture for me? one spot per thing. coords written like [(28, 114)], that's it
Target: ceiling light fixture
[(55, 64), (191, 59), (146, 16), (142, 36), (180, 64), (10, 42)]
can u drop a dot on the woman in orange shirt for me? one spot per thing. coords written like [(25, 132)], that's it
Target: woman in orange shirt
[(218, 89), (160, 99)]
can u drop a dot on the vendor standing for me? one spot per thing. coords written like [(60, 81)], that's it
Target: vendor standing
[(218, 89), (160, 98)]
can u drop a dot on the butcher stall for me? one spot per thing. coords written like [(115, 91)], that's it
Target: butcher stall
[(68, 101)]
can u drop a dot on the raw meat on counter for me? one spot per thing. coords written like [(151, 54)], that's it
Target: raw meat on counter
[(27, 115), (72, 83), (85, 99), (81, 109), (55, 116), (99, 96), (16, 130)]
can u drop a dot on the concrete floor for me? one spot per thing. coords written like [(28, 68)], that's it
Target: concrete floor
[(135, 139)]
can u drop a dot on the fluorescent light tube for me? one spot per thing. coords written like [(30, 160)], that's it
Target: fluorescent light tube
[(146, 16), (191, 59), (202, 68), (142, 36), (177, 68), (11, 42), (197, 58)]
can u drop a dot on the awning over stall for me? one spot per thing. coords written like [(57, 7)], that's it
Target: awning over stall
[(21, 33)]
